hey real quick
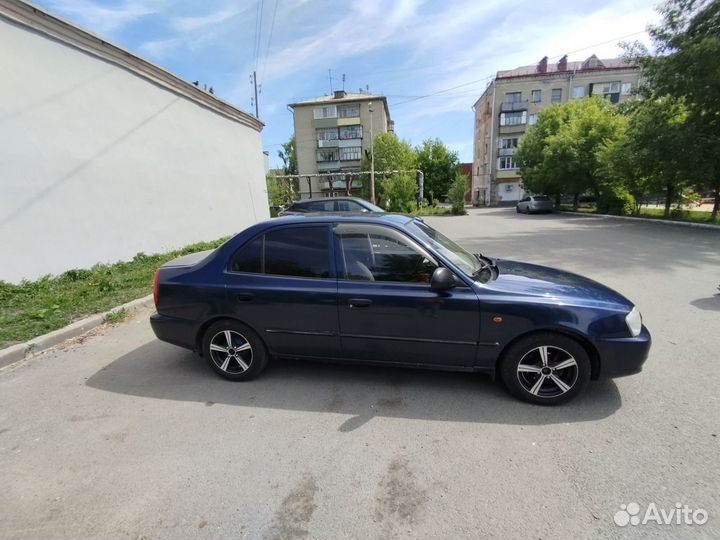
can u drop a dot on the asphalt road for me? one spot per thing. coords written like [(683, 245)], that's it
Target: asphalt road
[(118, 435)]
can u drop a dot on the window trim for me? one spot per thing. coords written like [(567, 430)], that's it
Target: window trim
[(331, 253)]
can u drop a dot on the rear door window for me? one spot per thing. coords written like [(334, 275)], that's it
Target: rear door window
[(321, 206), (291, 251)]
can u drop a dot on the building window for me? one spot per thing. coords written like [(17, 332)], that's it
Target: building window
[(327, 154), (513, 97), (626, 89), (329, 111), (509, 143), (349, 111), (327, 134), (579, 92), (556, 95), (350, 153), (513, 118), (533, 119), (536, 96), (506, 163), (351, 132)]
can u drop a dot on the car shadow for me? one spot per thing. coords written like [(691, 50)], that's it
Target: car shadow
[(711, 303), (161, 371)]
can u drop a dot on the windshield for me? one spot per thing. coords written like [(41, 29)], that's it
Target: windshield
[(468, 263)]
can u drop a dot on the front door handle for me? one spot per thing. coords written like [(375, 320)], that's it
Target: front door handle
[(244, 296), (359, 302)]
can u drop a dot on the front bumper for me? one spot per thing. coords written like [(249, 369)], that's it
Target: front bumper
[(623, 356)]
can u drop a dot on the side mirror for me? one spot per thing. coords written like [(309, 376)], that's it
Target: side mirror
[(442, 279)]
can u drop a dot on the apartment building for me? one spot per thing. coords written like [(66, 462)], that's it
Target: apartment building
[(332, 133), (511, 103)]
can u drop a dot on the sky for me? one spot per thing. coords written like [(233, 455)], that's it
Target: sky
[(432, 58)]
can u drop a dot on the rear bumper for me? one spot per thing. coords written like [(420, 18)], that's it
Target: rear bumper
[(623, 356), (172, 330)]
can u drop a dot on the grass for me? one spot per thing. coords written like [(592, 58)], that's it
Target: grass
[(688, 216), (33, 308), (432, 211)]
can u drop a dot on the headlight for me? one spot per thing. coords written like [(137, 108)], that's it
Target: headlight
[(634, 322)]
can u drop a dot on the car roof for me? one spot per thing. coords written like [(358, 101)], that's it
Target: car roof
[(324, 199), (345, 217)]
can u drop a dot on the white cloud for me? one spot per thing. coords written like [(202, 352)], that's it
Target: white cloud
[(104, 19), (201, 22)]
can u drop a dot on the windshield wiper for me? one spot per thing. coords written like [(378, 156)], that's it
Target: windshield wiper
[(487, 261), (486, 264)]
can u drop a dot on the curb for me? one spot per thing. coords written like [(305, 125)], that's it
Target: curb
[(18, 352), (646, 220)]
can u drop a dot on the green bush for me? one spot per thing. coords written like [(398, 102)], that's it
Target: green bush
[(617, 202), (456, 194), (400, 192)]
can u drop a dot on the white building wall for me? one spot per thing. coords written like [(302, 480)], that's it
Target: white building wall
[(98, 163)]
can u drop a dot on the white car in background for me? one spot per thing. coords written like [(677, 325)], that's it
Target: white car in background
[(534, 204)]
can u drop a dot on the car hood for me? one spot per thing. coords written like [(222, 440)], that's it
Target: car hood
[(542, 281)]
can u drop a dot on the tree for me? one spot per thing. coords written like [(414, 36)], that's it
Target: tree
[(280, 192), (284, 188), (456, 193), (400, 191), (685, 67), (439, 166), (536, 164), (560, 152), (658, 139), (391, 154), (288, 155)]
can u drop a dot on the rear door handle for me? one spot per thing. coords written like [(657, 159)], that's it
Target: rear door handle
[(359, 302), (244, 296)]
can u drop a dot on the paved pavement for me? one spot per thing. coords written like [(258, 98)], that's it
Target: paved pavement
[(119, 435)]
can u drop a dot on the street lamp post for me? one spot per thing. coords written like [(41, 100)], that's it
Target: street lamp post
[(372, 156)]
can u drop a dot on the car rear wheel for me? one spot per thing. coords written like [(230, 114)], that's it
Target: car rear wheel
[(234, 351), (545, 368)]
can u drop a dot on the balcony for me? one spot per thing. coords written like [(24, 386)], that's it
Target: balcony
[(514, 106), (339, 184), (327, 143)]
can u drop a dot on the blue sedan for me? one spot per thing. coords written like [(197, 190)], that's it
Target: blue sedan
[(390, 290)]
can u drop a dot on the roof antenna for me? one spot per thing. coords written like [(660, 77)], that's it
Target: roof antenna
[(330, 79), (343, 79)]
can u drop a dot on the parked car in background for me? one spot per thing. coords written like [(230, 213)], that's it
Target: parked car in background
[(330, 204), (534, 204), (387, 289)]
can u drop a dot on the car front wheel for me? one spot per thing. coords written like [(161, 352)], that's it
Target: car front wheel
[(545, 368), (234, 351)]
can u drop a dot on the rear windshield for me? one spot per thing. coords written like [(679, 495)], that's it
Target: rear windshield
[(542, 198)]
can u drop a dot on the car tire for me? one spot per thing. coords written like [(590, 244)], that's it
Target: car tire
[(517, 209), (551, 377), (234, 350)]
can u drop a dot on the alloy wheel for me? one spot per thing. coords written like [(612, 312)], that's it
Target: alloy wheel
[(547, 371), (231, 351)]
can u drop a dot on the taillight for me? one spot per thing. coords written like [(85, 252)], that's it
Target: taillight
[(156, 287)]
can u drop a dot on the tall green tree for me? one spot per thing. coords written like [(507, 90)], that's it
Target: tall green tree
[(439, 165), (392, 154), (655, 155), (685, 66), (560, 153), (288, 155)]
